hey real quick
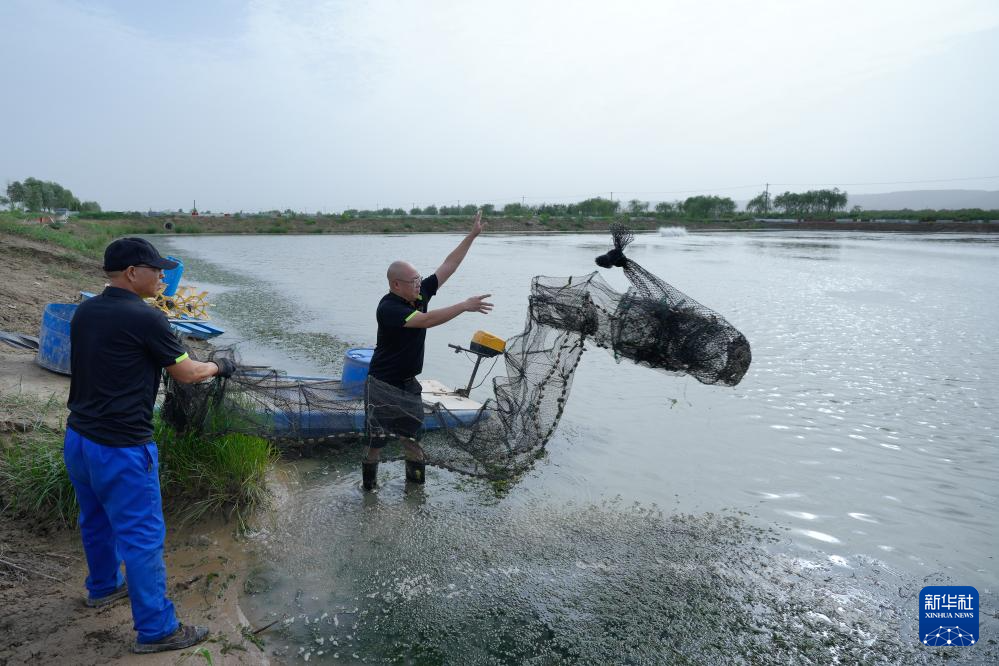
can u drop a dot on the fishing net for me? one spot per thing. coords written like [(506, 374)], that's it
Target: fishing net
[(652, 324)]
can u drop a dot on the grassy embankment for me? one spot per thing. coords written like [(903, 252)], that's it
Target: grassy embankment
[(90, 235), (222, 474), (198, 475)]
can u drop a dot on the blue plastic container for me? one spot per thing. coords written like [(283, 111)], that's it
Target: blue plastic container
[(172, 277), (356, 363), (53, 338)]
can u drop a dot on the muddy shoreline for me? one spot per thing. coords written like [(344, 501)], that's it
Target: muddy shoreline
[(42, 573), (42, 570)]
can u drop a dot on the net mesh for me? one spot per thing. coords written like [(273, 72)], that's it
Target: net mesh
[(652, 324)]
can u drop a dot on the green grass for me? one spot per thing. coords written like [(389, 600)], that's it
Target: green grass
[(198, 475), (208, 474), (86, 237), (33, 478), (26, 412), (34, 482)]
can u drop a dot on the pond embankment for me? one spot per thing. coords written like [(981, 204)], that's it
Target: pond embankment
[(42, 567)]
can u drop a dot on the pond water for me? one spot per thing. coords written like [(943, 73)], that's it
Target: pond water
[(861, 448)]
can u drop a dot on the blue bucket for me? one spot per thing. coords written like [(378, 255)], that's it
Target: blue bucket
[(53, 339), (171, 278), (355, 370)]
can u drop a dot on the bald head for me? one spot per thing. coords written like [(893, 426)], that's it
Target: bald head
[(401, 270), (404, 280)]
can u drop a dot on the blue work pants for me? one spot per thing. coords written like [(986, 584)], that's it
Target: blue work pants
[(121, 519)]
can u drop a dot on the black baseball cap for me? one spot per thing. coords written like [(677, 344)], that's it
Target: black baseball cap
[(125, 252)]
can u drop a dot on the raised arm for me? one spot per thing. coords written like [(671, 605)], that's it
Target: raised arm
[(450, 265), (444, 315)]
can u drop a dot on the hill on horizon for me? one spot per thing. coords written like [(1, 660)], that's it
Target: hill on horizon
[(920, 200), (927, 199)]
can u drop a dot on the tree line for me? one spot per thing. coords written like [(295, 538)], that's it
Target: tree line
[(811, 203), (799, 204), (44, 195), (594, 207), (38, 195), (694, 207)]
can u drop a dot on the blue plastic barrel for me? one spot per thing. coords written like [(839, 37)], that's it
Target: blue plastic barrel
[(53, 338), (355, 370), (172, 277)]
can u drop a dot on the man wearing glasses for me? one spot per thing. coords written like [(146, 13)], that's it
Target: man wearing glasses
[(118, 347), (392, 399)]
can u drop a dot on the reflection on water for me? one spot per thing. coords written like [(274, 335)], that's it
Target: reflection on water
[(865, 428), (797, 249)]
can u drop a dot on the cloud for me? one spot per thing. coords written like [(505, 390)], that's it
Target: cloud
[(338, 104)]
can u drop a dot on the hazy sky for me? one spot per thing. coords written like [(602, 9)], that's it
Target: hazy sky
[(332, 105)]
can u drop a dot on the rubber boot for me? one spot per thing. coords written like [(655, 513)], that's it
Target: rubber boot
[(416, 472), (369, 475)]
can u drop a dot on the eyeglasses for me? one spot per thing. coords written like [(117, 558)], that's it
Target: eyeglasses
[(413, 281), (154, 268)]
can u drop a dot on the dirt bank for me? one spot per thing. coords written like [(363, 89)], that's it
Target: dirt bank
[(45, 619), (42, 572), (33, 274)]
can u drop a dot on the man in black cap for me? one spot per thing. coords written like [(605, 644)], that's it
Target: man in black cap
[(118, 347), (393, 402)]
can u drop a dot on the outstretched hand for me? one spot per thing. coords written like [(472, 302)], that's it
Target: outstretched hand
[(478, 304), (477, 224)]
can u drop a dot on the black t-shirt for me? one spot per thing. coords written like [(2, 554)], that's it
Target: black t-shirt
[(399, 351), (118, 345)]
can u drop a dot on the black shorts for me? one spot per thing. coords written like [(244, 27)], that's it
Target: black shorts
[(392, 410)]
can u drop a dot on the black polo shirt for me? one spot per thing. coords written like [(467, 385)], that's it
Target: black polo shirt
[(399, 351), (118, 345)]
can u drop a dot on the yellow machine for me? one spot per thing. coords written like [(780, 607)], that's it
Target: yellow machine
[(486, 344), (483, 345)]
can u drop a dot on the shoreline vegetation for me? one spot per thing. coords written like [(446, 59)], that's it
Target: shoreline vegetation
[(222, 475), (89, 233), (211, 486)]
